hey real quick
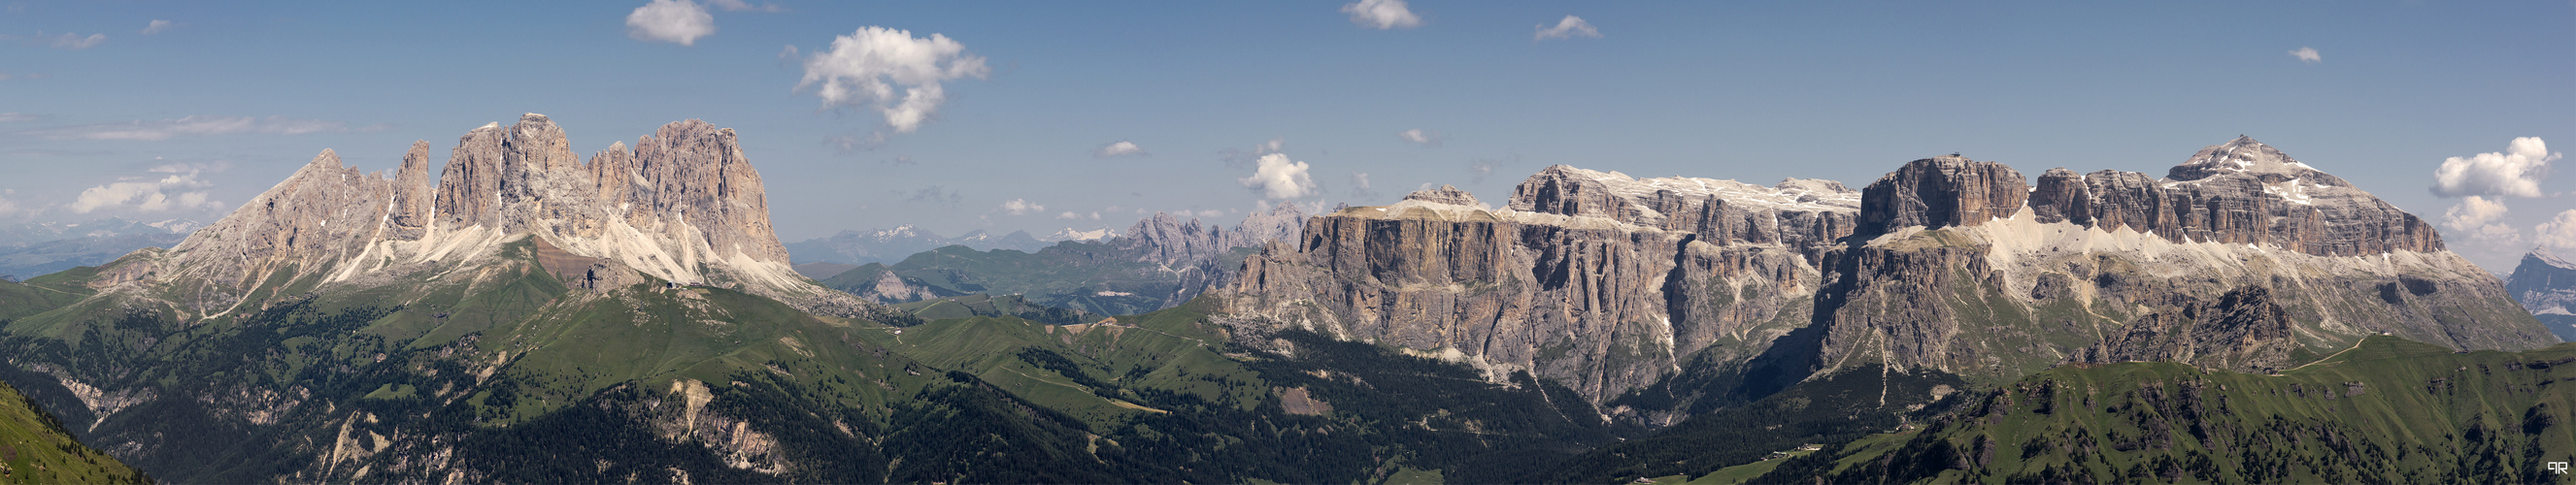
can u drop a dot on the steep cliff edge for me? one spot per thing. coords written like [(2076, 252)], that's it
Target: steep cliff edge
[(1599, 280), (1617, 285)]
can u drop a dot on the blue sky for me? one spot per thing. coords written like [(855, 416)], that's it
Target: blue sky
[(225, 99)]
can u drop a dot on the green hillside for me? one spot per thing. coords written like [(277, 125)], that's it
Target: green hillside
[(993, 306), (2386, 411), (512, 376), (35, 448), (1166, 386)]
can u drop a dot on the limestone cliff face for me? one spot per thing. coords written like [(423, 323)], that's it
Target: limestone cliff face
[(1591, 278), (1941, 192), (412, 195), (2239, 192), (1612, 284), (685, 207)]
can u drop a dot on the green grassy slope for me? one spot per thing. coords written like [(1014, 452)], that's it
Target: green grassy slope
[(34, 448), (43, 293), (2386, 410), (994, 306), (1165, 389), (507, 375)]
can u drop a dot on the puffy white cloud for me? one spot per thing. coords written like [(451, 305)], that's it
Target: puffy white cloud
[(742, 6), (2516, 171), (2559, 232), (2479, 217), (2307, 55), (866, 67), (76, 42), (1570, 27), (2473, 212), (1021, 207), (1122, 147), (1278, 177), (196, 125), (675, 21), (147, 195), (1382, 14), (1209, 213), (1068, 215), (8, 207), (158, 26), (1420, 136), (1359, 188)]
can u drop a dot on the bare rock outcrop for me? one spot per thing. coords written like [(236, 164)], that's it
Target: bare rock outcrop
[(412, 195), (1555, 285), (1941, 192), (1610, 283), (2239, 192), (2243, 331), (685, 208)]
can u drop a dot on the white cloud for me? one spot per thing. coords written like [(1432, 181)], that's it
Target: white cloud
[(2516, 171), (8, 207), (2473, 212), (1068, 215), (15, 117), (1021, 207), (742, 6), (1382, 14), (865, 68), (1122, 147), (1095, 215), (1570, 27), (1418, 136), (2478, 217), (196, 125), (2559, 232), (1278, 177), (2307, 55), (1359, 187), (76, 42), (675, 21), (147, 196), (158, 26), (1209, 213)]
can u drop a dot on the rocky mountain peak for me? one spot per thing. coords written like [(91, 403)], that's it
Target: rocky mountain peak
[(2244, 156), (1940, 192), (1446, 195), (1280, 223), (2544, 283), (683, 207)]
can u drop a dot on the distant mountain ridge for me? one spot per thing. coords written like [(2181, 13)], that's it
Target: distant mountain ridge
[(2546, 286), (36, 249), (892, 245), (1161, 262)]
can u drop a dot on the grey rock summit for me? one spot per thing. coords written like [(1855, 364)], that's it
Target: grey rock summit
[(1621, 286), (685, 207)]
